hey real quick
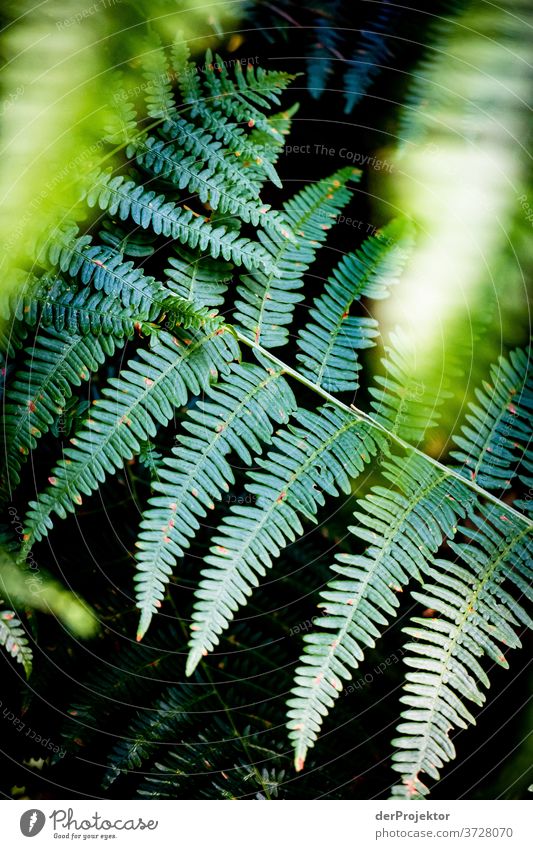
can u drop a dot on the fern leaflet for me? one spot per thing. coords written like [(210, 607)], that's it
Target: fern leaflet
[(143, 396), (329, 343), (13, 638), (498, 431), (320, 455), (266, 301), (474, 611), (403, 528), (238, 417)]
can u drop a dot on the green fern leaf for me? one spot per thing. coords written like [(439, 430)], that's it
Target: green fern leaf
[(239, 417), (201, 144), (53, 302), (12, 335), (158, 86), (240, 98), (499, 425), (329, 343), (128, 199), (256, 147), (168, 161), (101, 267), (258, 150), (404, 402), (475, 612), (199, 279), (148, 731), (204, 104), (13, 638), (404, 528), (144, 395), (321, 455), (39, 391), (265, 304), (120, 123)]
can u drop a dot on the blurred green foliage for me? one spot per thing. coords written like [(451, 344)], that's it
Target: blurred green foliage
[(58, 57)]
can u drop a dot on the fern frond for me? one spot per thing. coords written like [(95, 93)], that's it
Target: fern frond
[(426, 93), (499, 425), (240, 98), (199, 279), (53, 302), (255, 147), (186, 72), (404, 527), (158, 86), (319, 456), (143, 396), (238, 417), (39, 391), (404, 403), (329, 343), (272, 147), (13, 638), (326, 46), (151, 729), (215, 92), (475, 613), (13, 334), (163, 159), (150, 458), (258, 149), (130, 200), (216, 765), (101, 267), (266, 302), (120, 123), (202, 145)]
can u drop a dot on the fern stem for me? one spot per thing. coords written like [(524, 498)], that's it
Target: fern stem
[(362, 416)]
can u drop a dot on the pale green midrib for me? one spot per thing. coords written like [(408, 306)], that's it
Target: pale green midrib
[(138, 401), (192, 278), (209, 447), (338, 636), (232, 563), (501, 557), (362, 416)]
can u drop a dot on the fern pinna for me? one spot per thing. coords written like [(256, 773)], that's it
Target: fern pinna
[(195, 362)]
